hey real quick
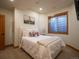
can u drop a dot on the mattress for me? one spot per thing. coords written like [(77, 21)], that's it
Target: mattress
[(42, 47)]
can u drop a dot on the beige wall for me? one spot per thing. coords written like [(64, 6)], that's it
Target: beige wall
[(8, 26), (73, 37)]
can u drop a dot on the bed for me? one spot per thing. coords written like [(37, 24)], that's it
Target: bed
[(42, 47)]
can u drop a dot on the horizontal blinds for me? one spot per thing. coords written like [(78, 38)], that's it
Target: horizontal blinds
[(58, 24)]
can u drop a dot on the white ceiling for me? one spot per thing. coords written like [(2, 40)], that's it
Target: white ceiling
[(47, 5)]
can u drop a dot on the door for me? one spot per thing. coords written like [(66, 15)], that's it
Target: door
[(2, 32)]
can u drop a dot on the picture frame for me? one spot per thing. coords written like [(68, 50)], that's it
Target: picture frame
[(29, 19)]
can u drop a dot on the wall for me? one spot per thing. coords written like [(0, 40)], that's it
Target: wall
[(8, 25), (72, 38), (42, 23), (19, 24)]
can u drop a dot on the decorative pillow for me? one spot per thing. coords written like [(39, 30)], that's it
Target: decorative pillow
[(33, 34), (36, 33), (30, 34)]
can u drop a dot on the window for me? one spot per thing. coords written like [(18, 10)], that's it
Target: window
[(58, 23)]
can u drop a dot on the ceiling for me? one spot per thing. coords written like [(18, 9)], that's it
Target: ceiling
[(47, 5)]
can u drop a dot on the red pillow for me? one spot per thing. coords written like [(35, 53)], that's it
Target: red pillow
[(33, 34), (36, 33)]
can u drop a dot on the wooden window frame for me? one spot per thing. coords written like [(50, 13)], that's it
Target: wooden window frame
[(56, 15)]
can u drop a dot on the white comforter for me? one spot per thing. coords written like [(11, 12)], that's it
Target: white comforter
[(42, 47)]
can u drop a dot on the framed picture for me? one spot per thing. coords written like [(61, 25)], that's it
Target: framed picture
[(29, 19)]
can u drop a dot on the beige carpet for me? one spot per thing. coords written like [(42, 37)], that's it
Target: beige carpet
[(16, 53), (68, 53)]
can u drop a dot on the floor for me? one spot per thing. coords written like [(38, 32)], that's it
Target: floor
[(16, 53)]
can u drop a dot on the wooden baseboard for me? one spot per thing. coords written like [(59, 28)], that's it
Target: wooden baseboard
[(9, 45), (16, 46), (72, 47)]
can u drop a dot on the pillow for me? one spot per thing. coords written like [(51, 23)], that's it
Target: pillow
[(33, 34), (30, 32), (36, 33)]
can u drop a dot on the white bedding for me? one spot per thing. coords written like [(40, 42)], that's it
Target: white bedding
[(42, 47)]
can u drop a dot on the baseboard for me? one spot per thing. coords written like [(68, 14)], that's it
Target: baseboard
[(72, 47), (16, 46), (9, 45)]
